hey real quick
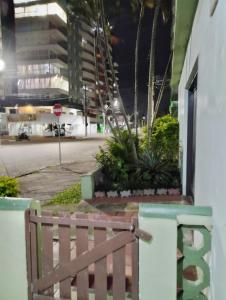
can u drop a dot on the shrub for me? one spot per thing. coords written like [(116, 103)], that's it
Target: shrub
[(71, 195), (156, 167), (9, 187), (165, 138), (117, 162)]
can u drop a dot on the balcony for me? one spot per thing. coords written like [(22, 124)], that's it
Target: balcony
[(41, 10), (56, 47), (43, 85)]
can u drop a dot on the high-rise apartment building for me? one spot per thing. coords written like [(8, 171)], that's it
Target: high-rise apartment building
[(83, 65), (8, 82), (41, 49), (53, 57), (89, 74)]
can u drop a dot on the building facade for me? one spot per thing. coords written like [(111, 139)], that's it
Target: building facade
[(198, 77), (89, 75), (41, 49), (56, 58), (8, 82)]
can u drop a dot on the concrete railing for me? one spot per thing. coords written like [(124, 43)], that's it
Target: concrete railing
[(174, 265), (13, 260), (176, 231), (88, 183)]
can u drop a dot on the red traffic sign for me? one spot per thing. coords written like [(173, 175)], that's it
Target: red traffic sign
[(57, 109)]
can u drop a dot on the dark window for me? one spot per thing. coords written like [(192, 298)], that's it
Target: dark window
[(191, 138)]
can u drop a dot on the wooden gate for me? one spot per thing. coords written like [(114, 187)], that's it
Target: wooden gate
[(73, 257)]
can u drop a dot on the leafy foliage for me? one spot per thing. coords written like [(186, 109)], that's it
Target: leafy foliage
[(9, 187), (117, 162), (166, 135), (165, 138), (72, 195), (155, 167)]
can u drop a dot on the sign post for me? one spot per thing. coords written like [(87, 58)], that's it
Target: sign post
[(57, 110)]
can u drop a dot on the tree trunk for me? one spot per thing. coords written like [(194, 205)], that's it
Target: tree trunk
[(136, 67), (122, 108), (151, 80), (161, 92), (96, 45)]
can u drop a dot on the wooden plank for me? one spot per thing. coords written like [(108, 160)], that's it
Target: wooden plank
[(81, 247), (100, 283), (87, 258), (81, 222), (42, 297), (34, 256), (65, 256), (135, 266), (28, 251), (47, 257), (119, 273)]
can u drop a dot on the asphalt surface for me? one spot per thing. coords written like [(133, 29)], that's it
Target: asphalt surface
[(20, 159)]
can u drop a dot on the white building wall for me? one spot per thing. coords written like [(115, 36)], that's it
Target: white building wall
[(74, 125), (208, 45)]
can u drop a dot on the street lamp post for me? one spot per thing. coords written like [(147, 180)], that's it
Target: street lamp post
[(85, 108)]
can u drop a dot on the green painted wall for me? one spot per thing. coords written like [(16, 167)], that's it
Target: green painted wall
[(157, 259), (13, 264), (184, 12)]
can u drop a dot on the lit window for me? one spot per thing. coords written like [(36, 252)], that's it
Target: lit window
[(23, 1), (39, 10)]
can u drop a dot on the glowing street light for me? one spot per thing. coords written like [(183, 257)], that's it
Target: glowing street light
[(116, 103), (2, 65)]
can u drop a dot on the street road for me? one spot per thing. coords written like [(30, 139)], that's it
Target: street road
[(20, 159)]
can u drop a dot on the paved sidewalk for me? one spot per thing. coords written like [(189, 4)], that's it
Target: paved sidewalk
[(44, 184)]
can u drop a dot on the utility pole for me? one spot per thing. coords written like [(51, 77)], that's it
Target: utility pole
[(85, 109)]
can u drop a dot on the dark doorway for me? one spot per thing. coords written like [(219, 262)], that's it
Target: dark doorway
[(191, 138)]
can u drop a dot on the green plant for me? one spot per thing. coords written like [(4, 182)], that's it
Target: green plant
[(117, 161), (71, 195), (9, 187), (156, 166), (165, 138)]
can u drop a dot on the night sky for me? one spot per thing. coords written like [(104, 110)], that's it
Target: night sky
[(125, 27)]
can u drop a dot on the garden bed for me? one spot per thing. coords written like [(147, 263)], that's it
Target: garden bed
[(134, 169), (91, 181)]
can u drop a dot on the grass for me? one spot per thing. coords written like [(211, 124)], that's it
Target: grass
[(70, 196), (69, 201)]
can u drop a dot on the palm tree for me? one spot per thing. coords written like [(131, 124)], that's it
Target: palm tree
[(158, 5), (90, 12), (152, 70), (136, 64), (163, 85), (109, 58)]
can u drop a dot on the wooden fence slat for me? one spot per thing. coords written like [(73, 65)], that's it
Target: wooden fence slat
[(82, 276), (87, 258), (34, 256), (119, 270), (100, 280), (42, 297), (119, 224), (135, 266), (47, 257), (64, 257), (28, 251)]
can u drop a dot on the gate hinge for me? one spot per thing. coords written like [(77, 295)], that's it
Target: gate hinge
[(143, 235)]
